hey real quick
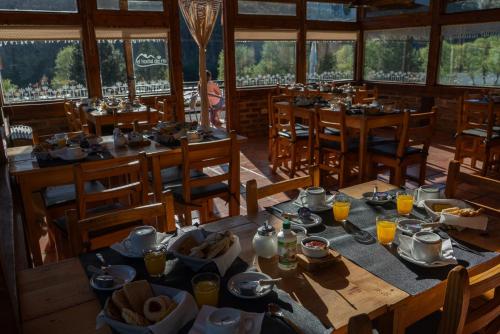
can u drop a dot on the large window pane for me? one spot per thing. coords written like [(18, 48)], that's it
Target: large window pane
[(113, 68), (108, 4), (454, 6), (470, 55), (41, 70), (151, 66), (266, 8), (39, 5), (146, 5), (330, 60), (322, 11), (262, 63), (398, 55), (419, 6)]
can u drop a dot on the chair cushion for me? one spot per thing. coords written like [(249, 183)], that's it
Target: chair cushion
[(480, 133), (353, 145), (301, 134), (200, 192), (332, 131), (174, 174), (66, 193), (391, 148)]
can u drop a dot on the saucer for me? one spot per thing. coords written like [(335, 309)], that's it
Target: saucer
[(314, 220), (368, 198), (120, 247), (233, 287), (447, 257), (121, 273)]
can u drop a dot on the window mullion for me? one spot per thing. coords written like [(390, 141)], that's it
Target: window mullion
[(129, 65)]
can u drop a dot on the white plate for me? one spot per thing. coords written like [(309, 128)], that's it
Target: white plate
[(124, 274), (315, 220), (409, 258), (232, 284), (368, 198)]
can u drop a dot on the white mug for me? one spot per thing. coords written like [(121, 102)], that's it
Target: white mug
[(141, 238), (227, 321), (426, 246), (315, 197), (427, 192)]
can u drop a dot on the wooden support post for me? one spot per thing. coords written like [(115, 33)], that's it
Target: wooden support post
[(90, 50), (229, 14)]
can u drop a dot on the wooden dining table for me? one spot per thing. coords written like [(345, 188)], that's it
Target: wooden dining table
[(31, 178), (56, 304), (97, 119)]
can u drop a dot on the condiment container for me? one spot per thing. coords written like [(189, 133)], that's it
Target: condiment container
[(287, 247), (265, 242)]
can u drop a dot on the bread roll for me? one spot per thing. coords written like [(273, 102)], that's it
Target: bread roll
[(120, 300), (157, 308), (137, 293), (113, 311), (134, 318)]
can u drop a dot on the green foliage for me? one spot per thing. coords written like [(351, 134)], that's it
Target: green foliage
[(8, 85), (112, 63), (64, 63), (345, 58), (220, 66)]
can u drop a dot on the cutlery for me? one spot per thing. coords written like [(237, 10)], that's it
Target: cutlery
[(455, 243), (261, 281), (104, 264), (375, 191), (274, 310)]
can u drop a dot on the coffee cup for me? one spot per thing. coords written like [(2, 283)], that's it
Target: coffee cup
[(60, 139), (227, 321), (140, 239), (315, 197), (426, 246), (427, 192)]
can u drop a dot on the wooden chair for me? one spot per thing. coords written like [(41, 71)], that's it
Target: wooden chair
[(360, 324), (125, 184), (477, 125), (253, 193), (412, 147), (337, 153), (365, 96), (457, 318), (197, 192), (487, 185), (272, 119), (166, 111), (72, 116), (292, 144), (80, 231)]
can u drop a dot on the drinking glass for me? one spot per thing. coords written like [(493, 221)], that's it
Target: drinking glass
[(404, 202), (341, 207), (386, 229), (206, 289), (155, 260)]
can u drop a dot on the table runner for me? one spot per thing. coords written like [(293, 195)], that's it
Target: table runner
[(356, 240), (93, 156), (177, 275)]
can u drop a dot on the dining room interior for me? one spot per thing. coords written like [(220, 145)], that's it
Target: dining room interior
[(250, 166)]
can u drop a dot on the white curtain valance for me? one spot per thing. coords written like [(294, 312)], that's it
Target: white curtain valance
[(265, 35), (33, 33), (131, 33), (332, 35), (400, 34), (470, 31)]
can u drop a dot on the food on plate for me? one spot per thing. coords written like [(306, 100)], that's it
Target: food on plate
[(214, 245), (135, 305), (439, 207), (467, 212), (316, 244), (157, 308)]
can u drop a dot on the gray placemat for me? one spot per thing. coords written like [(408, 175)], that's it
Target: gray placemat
[(356, 240)]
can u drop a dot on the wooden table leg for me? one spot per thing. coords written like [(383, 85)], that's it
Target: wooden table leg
[(98, 128), (363, 139), (32, 229)]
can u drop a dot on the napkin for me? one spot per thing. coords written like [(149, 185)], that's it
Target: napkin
[(120, 246), (199, 326), (185, 311), (477, 223), (447, 256)]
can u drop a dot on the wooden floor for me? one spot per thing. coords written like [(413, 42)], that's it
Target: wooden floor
[(255, 165)]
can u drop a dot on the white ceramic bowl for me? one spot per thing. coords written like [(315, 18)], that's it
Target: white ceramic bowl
[(315, 252)]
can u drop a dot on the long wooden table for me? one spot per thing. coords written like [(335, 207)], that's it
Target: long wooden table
[(97, 119), (31, 178), (50, 302)]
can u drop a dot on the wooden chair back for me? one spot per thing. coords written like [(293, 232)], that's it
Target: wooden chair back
[(253, 193), (364, 95), (161, 214), (417, 130), (72, 116), (360, 324), (127, 180), (285, 120), (273, 110), (475, 115), (331, 120), (460, 289), (166, 111), (487, 185), (197, 156)]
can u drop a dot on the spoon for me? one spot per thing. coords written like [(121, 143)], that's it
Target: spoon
[(104, 264), (274, 310), (375, 191)]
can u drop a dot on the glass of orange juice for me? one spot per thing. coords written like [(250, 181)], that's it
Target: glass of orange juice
[(386, 229), (155, 260), (404, 202), (341, 207), (206, 288)]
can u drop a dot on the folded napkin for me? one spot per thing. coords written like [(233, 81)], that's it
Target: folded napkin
[(447, 256), (477, 223), (199, 326), (120, 246), (185, 311)]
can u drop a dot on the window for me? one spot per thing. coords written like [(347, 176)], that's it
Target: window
[(266, 8), (418, 6), (149, 60), (454, 6), (39, 5), (470, 55), (132, 5), (398, 55), (330, 56), (265, 58), (41, 63), (322, 11)]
